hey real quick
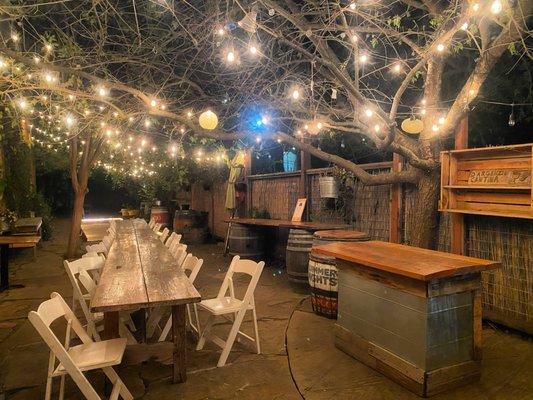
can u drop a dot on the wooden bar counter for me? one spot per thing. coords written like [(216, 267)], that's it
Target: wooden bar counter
[(412, 314)]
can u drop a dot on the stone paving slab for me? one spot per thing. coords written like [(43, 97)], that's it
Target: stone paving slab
[(321, 371)]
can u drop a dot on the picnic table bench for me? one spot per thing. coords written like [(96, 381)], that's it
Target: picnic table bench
[(140, 272)]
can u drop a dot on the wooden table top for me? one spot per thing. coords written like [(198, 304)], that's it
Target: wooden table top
[(14, 240), (281, 223), (140, 272), (412, 262)]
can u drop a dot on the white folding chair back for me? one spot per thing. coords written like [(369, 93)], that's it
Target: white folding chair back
[(151, 224), (75, 360), (164, 235), (192, 265), (174, 238), (157, 227), (224, 304), (73, 269)]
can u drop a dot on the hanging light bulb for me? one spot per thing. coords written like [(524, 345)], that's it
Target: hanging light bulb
[(440, 47), (253, 49), (369, 112), (512, 119), (464, 27), (230, 57), (496, 7), (363, 59), (295, 94)]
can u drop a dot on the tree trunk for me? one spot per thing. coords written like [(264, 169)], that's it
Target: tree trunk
[(421, 223), (75, 223)]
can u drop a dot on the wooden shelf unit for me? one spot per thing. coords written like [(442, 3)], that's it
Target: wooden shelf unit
[(488, 181)]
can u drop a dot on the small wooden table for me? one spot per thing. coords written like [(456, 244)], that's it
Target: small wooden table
[(412, 314), (12, 241), (140, 272)]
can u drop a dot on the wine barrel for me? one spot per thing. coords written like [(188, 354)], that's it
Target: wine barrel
[(245, 241), (297, 257), (160, 215), (183, 219), (323, 271)]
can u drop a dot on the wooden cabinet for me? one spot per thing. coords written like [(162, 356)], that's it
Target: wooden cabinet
[(488, 181)]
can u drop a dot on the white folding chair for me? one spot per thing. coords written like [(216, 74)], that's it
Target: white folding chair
[(89, 285), (151, 224), (174, 238), (223, 305), (97, 248), (190, 265), (73, 269), (157, 227), (76, 360), (164, 235)]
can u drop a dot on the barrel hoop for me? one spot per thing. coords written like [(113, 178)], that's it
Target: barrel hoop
[(244, 237), (325, 293), (299, 249)]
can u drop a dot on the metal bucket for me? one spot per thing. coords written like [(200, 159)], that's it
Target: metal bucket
[(328, 187)]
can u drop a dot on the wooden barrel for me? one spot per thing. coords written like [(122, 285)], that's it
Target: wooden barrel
[(183, 219), (245, 241), (160, 215), (323, 271), (297, 257)]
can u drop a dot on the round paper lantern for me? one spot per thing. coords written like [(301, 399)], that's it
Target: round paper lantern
[(208, 120), (412, 126)]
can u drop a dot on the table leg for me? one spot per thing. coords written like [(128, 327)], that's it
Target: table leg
[(4, 267), (179, 335), (110, 325)]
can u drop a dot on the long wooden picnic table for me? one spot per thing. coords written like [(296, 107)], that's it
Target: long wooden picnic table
[(140, 272)]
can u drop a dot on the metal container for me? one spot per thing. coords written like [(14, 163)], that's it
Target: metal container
[(328, 187)]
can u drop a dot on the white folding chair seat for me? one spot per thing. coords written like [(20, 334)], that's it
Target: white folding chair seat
[(223, 304), (75, 360), (95, 355)]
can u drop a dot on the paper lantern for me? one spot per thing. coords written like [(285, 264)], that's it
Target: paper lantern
[(208, 120), (412, 126)]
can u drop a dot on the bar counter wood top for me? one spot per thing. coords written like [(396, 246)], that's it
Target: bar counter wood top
[(281, 223), (408, 261)]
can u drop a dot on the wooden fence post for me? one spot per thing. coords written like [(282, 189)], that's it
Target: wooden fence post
[(458, 220), (395, 202)]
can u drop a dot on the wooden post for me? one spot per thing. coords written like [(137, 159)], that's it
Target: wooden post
[(179, 337), (305, 161), (457, 220), (111, 319), (395, 201), (247, 172)]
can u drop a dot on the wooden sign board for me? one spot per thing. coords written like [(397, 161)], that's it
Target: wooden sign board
[(488, 181), (299, 210), (513, 177)]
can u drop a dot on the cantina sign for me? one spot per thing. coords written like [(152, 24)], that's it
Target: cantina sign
[(518, 177)]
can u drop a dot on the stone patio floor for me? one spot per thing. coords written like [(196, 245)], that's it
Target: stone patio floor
[(298, 360)]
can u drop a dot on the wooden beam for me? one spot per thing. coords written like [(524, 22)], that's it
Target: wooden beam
[(305, 161), (395, 202), (457, 220), (247, 173)]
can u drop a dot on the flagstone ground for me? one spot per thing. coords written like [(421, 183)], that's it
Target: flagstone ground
[(298, 360)]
